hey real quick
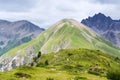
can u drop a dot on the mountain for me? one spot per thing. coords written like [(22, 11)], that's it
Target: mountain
[(105, 26), (16, 33), (67, 64), (65, 34)]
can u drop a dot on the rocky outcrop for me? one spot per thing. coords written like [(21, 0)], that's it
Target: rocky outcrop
[(17, 59), (105, 26)]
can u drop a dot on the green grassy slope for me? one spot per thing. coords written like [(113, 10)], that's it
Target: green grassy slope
[(71, 34), (70, 64), (80, 60)]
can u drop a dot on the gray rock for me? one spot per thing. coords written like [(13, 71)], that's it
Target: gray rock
[(17, 60)]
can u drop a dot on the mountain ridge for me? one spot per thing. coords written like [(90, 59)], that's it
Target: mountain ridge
[(65, 34), (105, 26), (15, 33)]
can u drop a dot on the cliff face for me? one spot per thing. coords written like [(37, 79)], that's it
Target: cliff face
[(105, 26)]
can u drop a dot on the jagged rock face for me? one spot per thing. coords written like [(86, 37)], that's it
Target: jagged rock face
[(16, 33), (17, 60), (105, 26)]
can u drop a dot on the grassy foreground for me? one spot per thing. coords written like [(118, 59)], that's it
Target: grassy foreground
[(70, 64), (35, 73)]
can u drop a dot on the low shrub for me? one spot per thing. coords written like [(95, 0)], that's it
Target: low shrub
[(50, 79), (94, 72), (80, 78), (40, 64), (22, 75), (113, 74), (68, 67)]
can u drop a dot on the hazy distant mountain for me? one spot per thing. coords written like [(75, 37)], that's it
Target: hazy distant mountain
[(65, 34), (13, 34), (105, 26)]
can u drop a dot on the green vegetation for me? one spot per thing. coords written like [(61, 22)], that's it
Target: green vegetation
[(35, 73), (22, 75), (77, 60), (69, 64), (113, 74)]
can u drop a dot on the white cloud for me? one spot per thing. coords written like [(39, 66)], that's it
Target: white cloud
[(46, 12)]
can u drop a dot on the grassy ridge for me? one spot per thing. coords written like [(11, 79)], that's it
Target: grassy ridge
[(82, 57)]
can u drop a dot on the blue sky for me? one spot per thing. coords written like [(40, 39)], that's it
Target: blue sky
[(46, 12)]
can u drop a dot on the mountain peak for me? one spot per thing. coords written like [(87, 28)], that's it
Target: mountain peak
[(98, 19), (4, 21), (72, 21), (69, 22), (23, 22), (100, 16), (105, 26)]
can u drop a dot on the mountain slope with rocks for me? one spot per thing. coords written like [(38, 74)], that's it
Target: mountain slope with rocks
[(65, 34)]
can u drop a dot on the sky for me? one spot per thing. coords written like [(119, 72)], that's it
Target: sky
[(44, 13)]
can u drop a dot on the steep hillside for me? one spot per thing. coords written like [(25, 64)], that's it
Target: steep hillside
[(69, 64), (65, 34), (69, 33), (16, 33), (105, 26)]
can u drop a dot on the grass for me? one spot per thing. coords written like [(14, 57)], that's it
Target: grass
[(36, 74), (69, 64), (64, 65)]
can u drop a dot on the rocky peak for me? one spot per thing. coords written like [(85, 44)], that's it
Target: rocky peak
[(98, 21), (105, 26), (101, 17)]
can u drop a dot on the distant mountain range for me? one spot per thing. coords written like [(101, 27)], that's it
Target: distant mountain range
[(65, 34), (105, 26), (16, 33)]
